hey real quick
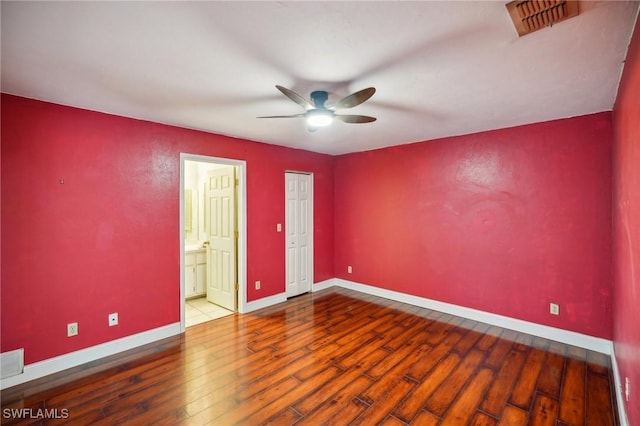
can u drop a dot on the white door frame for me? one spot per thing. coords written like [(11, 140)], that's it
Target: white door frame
[(242, 227)]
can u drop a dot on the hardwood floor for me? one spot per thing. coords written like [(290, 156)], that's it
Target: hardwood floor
[(335, 357)]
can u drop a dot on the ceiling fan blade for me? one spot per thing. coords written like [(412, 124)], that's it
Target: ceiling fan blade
[(355, 99), (282, 116), (295, 97), (355, 118)]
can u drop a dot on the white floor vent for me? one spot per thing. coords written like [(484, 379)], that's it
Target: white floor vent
[(11, 363)]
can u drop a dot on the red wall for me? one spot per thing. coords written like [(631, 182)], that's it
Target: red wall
[(107, 240), (626, 227), (503, 221)]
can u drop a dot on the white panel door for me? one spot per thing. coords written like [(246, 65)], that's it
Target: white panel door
[(299, 233), (221, 252)]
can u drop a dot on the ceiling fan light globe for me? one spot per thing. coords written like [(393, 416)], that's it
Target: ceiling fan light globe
[(318, 118)]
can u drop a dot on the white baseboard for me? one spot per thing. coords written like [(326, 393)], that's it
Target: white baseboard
[(282, 297), (73, 359), (265, 302), (622, 413), (322, 285), (569, 337)]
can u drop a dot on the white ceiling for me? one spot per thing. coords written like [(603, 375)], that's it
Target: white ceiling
[(440, 68)]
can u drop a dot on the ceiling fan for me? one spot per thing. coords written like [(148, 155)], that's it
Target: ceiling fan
[(318, 115)]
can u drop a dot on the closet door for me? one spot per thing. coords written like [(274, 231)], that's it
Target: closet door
[(299, 232)]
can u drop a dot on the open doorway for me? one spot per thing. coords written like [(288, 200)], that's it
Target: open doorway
[(212, 238)]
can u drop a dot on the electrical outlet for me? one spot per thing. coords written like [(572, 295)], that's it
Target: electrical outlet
[(113, 319), (554, 309), (349, 269), (627, 385), (72, 329), (257, 285)]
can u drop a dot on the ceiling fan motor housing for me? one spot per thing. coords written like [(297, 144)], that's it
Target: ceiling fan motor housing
[(319, 97)]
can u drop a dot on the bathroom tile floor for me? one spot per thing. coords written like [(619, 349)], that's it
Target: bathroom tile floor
[(198, 310)]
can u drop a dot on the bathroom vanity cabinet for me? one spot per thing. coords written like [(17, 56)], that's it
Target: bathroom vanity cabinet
[(195, 273)]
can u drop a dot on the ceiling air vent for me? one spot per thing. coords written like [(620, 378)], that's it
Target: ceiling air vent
[(533, 15)]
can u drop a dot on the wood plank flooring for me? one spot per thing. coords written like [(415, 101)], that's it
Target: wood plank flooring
[(335, 357)]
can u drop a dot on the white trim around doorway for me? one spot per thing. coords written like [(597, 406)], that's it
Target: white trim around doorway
[(242, 227)]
